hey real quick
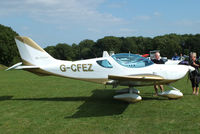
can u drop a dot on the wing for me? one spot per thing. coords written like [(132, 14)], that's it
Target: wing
[(137, 77), (137, 80)]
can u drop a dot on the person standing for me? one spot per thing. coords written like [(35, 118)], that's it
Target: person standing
[(175, 57), (182, 57), (158, 60), (194, 75)]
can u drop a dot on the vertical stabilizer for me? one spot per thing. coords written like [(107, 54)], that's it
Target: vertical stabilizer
[(31, 53)]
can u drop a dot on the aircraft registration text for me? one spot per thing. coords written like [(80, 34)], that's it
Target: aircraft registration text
[(77, 67)]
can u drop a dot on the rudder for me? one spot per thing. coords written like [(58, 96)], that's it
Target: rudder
[(31, 53)]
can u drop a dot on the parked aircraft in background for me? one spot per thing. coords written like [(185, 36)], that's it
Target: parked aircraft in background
[(124, 69)]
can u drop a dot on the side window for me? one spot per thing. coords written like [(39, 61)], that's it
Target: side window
[(104, 63)]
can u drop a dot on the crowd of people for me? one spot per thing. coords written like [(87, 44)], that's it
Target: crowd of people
[(194, 75)]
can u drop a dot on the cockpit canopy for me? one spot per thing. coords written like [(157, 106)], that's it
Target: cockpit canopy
[(131, 60)]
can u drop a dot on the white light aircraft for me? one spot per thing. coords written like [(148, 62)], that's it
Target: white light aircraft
[(119, 69)]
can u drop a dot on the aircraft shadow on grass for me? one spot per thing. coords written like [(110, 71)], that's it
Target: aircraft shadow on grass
[(4, 98), (100, 103)]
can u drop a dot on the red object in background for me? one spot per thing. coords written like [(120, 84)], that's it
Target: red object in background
[(145, 55)]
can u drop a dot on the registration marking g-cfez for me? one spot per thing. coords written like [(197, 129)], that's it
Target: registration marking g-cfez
[(77, 67)]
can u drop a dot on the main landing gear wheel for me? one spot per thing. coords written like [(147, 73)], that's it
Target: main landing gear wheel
[(130, 95)]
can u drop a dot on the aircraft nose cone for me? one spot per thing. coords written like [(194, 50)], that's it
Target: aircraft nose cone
[(191, 68)]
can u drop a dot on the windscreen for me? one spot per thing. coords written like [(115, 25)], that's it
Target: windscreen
[(131, 60)]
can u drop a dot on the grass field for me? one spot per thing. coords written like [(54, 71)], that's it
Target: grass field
[(30, 104)]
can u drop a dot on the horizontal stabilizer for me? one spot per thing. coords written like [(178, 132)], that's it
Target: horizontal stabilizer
[(27, 67), (14, 66), (20, 66)]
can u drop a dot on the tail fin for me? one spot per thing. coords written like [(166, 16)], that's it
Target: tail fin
[(31, 53)]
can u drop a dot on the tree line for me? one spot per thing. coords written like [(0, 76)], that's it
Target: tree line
[(167, 44)]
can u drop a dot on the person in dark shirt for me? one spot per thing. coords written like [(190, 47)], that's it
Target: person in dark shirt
[(158, 60), (194, 75)]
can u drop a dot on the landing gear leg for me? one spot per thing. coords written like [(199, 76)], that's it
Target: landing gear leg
[(128, 90), (173, 88)]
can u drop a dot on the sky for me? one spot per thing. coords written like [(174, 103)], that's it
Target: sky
[(49, 22)]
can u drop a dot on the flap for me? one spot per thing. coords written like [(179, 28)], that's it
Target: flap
[(136, 77)]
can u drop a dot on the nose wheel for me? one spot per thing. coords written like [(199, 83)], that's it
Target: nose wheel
[(171, 94)]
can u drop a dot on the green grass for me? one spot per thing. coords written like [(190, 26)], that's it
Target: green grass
[(30, 104), (2, 67)]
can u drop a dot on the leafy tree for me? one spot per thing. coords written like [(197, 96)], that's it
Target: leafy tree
[(64, 52), (129, 45), (168, 45), (144, 45), (86, 49), (109, 43), (8, 49), (76, 51), (192, 43), (51, 50)]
